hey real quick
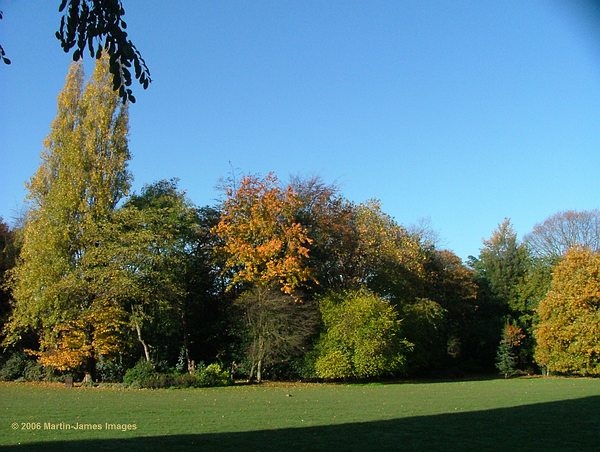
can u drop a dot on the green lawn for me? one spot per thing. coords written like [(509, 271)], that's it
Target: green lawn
[(519, 414)]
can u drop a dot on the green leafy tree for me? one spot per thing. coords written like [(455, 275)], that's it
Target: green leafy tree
[(8, 256), (329, 220), (389, 260), (500, 272), (82, 177), (362, 337), (450, 284), (568, 333), (146, 258), (425, 324)]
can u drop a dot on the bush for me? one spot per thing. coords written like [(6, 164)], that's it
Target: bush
[(333, 365), (362, 337), (110, 370), (212, 375), (14, 367), (19, 366), (142, 375), (34, 371), (186, 380)]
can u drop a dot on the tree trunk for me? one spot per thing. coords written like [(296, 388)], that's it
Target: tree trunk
[(251, 375), (90, 370), (144, 345), (259, 371), (190, 364), (90, 360)]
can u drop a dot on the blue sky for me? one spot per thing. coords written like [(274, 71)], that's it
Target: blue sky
[(458, 112)]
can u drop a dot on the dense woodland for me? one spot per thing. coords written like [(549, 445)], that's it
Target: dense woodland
[(278, 280)]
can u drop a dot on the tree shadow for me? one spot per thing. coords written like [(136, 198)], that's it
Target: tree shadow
[(564, 425)]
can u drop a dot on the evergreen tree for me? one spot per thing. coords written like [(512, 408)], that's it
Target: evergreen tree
[(507, 353), (82, 177), (500, 272), (503, 264)]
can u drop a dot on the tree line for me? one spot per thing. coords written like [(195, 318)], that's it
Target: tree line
[(283, 280)]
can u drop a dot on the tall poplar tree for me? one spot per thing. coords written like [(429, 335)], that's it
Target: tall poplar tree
[(82, 176)]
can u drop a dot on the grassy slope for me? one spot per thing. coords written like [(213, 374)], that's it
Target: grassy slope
[(517, 414)]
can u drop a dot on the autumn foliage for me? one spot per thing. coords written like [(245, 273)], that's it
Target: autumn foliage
[(264, 243), (568, 335), (282, 278)]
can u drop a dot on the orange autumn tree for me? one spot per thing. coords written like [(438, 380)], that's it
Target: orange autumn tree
[(264, 244), (568, 333), (99, 331), (266, 249)]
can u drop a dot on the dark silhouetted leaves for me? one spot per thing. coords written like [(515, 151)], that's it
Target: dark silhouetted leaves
[(97, 25)]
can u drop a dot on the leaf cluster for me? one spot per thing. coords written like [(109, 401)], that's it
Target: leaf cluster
[(3, 56), (97, 26), (262, 239)]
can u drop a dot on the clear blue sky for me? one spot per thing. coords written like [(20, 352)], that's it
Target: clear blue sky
[(459, 112)]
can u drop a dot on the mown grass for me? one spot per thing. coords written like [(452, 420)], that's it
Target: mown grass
[(520, 414)]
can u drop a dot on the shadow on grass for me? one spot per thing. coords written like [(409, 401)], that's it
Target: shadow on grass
[(565, 425)]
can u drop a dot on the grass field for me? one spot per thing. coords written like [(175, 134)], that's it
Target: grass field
[(519, 414)]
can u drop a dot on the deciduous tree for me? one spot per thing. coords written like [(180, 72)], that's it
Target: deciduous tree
[(329, 220), (362, 337), (82, 177), (568, 333), (552, 238), (266, 249), (262, 239), (277, 328), (440, 323), (389, 260), (146, 256), (8, 257)]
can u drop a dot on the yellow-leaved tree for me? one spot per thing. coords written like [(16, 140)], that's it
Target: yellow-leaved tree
[(82, 177), (568, 333)]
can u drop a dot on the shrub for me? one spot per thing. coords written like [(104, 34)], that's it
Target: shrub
[(110, 370), (185, 380), (333, 365), (19, 366), (212, 375), (14, 367), (145, 375), (142, 375), (362, 337), (34, 371)]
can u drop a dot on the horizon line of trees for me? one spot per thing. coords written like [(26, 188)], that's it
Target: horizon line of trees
[(279, 280)]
